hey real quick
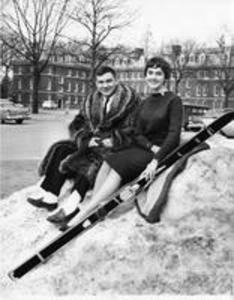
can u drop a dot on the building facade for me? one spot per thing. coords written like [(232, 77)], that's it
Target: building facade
[(66, 82), (62, 81), (200, 84)]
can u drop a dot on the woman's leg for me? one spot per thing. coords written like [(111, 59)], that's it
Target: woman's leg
[(111, 184), (71, 203), (101, 176)]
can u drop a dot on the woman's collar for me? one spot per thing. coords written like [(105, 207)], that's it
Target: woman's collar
[(161, 91)]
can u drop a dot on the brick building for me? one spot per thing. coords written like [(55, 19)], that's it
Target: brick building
[(65, 81), (201, 86), (62, 81)]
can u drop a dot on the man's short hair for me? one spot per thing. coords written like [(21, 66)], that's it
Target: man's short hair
[(159, 62), (105, 69)]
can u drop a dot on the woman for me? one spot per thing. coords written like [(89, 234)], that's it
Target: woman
[(157, 133)]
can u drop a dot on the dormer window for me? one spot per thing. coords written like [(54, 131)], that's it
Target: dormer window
[(192, 58), (202, 58)]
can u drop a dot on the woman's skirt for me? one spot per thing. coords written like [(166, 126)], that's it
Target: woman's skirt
[(129, 163)]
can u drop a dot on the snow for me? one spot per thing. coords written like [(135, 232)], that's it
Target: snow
[(189, 252)]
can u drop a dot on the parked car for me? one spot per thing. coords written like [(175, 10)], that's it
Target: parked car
[(49, 104), (214, 114), (193, 113), (195, 123), (10, 111)]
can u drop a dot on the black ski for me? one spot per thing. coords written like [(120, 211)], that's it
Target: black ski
[(126, 193)]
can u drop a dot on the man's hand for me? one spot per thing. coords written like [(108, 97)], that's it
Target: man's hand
[(150, 170), (94, 142), (107, 142)]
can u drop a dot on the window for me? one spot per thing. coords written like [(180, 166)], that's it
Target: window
[(216, 73), (202, 58), (19, 84), (49, 85), (182, 59), (82, 87), (216, 90), (69, 87), (192, 57), (188, 83), (200, 74), (198, 90), (61, 80), (188, 94), (222, 93), (206, 74), (30, 84), (204, 90)]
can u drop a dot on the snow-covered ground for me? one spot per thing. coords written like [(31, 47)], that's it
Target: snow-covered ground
[(189, 252)]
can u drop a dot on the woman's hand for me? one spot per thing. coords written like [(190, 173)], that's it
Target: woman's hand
[(94, 142), (154, 149), (107, 142), (150, 170)]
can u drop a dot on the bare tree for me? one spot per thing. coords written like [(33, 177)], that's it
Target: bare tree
[(180, 58), (225, 66), (8, 54), (37, 24), (100, 18)]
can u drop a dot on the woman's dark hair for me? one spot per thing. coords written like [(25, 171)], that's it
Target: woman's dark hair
[(158, 62), (105, 69)]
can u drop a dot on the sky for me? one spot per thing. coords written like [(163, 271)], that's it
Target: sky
[(170, 20)]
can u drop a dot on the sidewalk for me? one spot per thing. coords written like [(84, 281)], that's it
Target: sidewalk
[(54, 114)]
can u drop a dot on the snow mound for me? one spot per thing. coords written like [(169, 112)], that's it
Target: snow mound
[(189, 252)]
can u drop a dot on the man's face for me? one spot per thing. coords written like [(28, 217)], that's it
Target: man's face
[(106, 84)]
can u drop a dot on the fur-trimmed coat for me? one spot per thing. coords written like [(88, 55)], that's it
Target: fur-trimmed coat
[(96, 121)]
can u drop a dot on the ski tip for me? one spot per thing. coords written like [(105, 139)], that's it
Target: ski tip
[(11, 275)]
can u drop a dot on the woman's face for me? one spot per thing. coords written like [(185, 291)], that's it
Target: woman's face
[(155, 78)]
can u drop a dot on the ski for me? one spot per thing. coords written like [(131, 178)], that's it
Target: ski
[(126, 193)]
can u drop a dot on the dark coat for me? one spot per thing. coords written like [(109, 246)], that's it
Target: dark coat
[(93, 120)]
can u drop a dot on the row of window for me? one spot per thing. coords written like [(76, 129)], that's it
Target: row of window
[(201, 74), (68, 59), (49, 70), (77, 87), (202, 91), (75, 100), (131, 75)]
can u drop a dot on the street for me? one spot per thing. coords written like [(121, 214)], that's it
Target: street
[(31, 139), (23, 146)]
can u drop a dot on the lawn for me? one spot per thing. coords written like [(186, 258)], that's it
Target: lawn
[(17, 174)]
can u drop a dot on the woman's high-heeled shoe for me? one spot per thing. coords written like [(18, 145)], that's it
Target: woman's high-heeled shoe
[(60, 216)]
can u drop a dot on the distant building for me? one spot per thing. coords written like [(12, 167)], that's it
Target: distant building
[(200, 87), (65, 81), (62, 81)]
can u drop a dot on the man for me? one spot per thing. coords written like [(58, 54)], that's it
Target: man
[(105, 125)]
